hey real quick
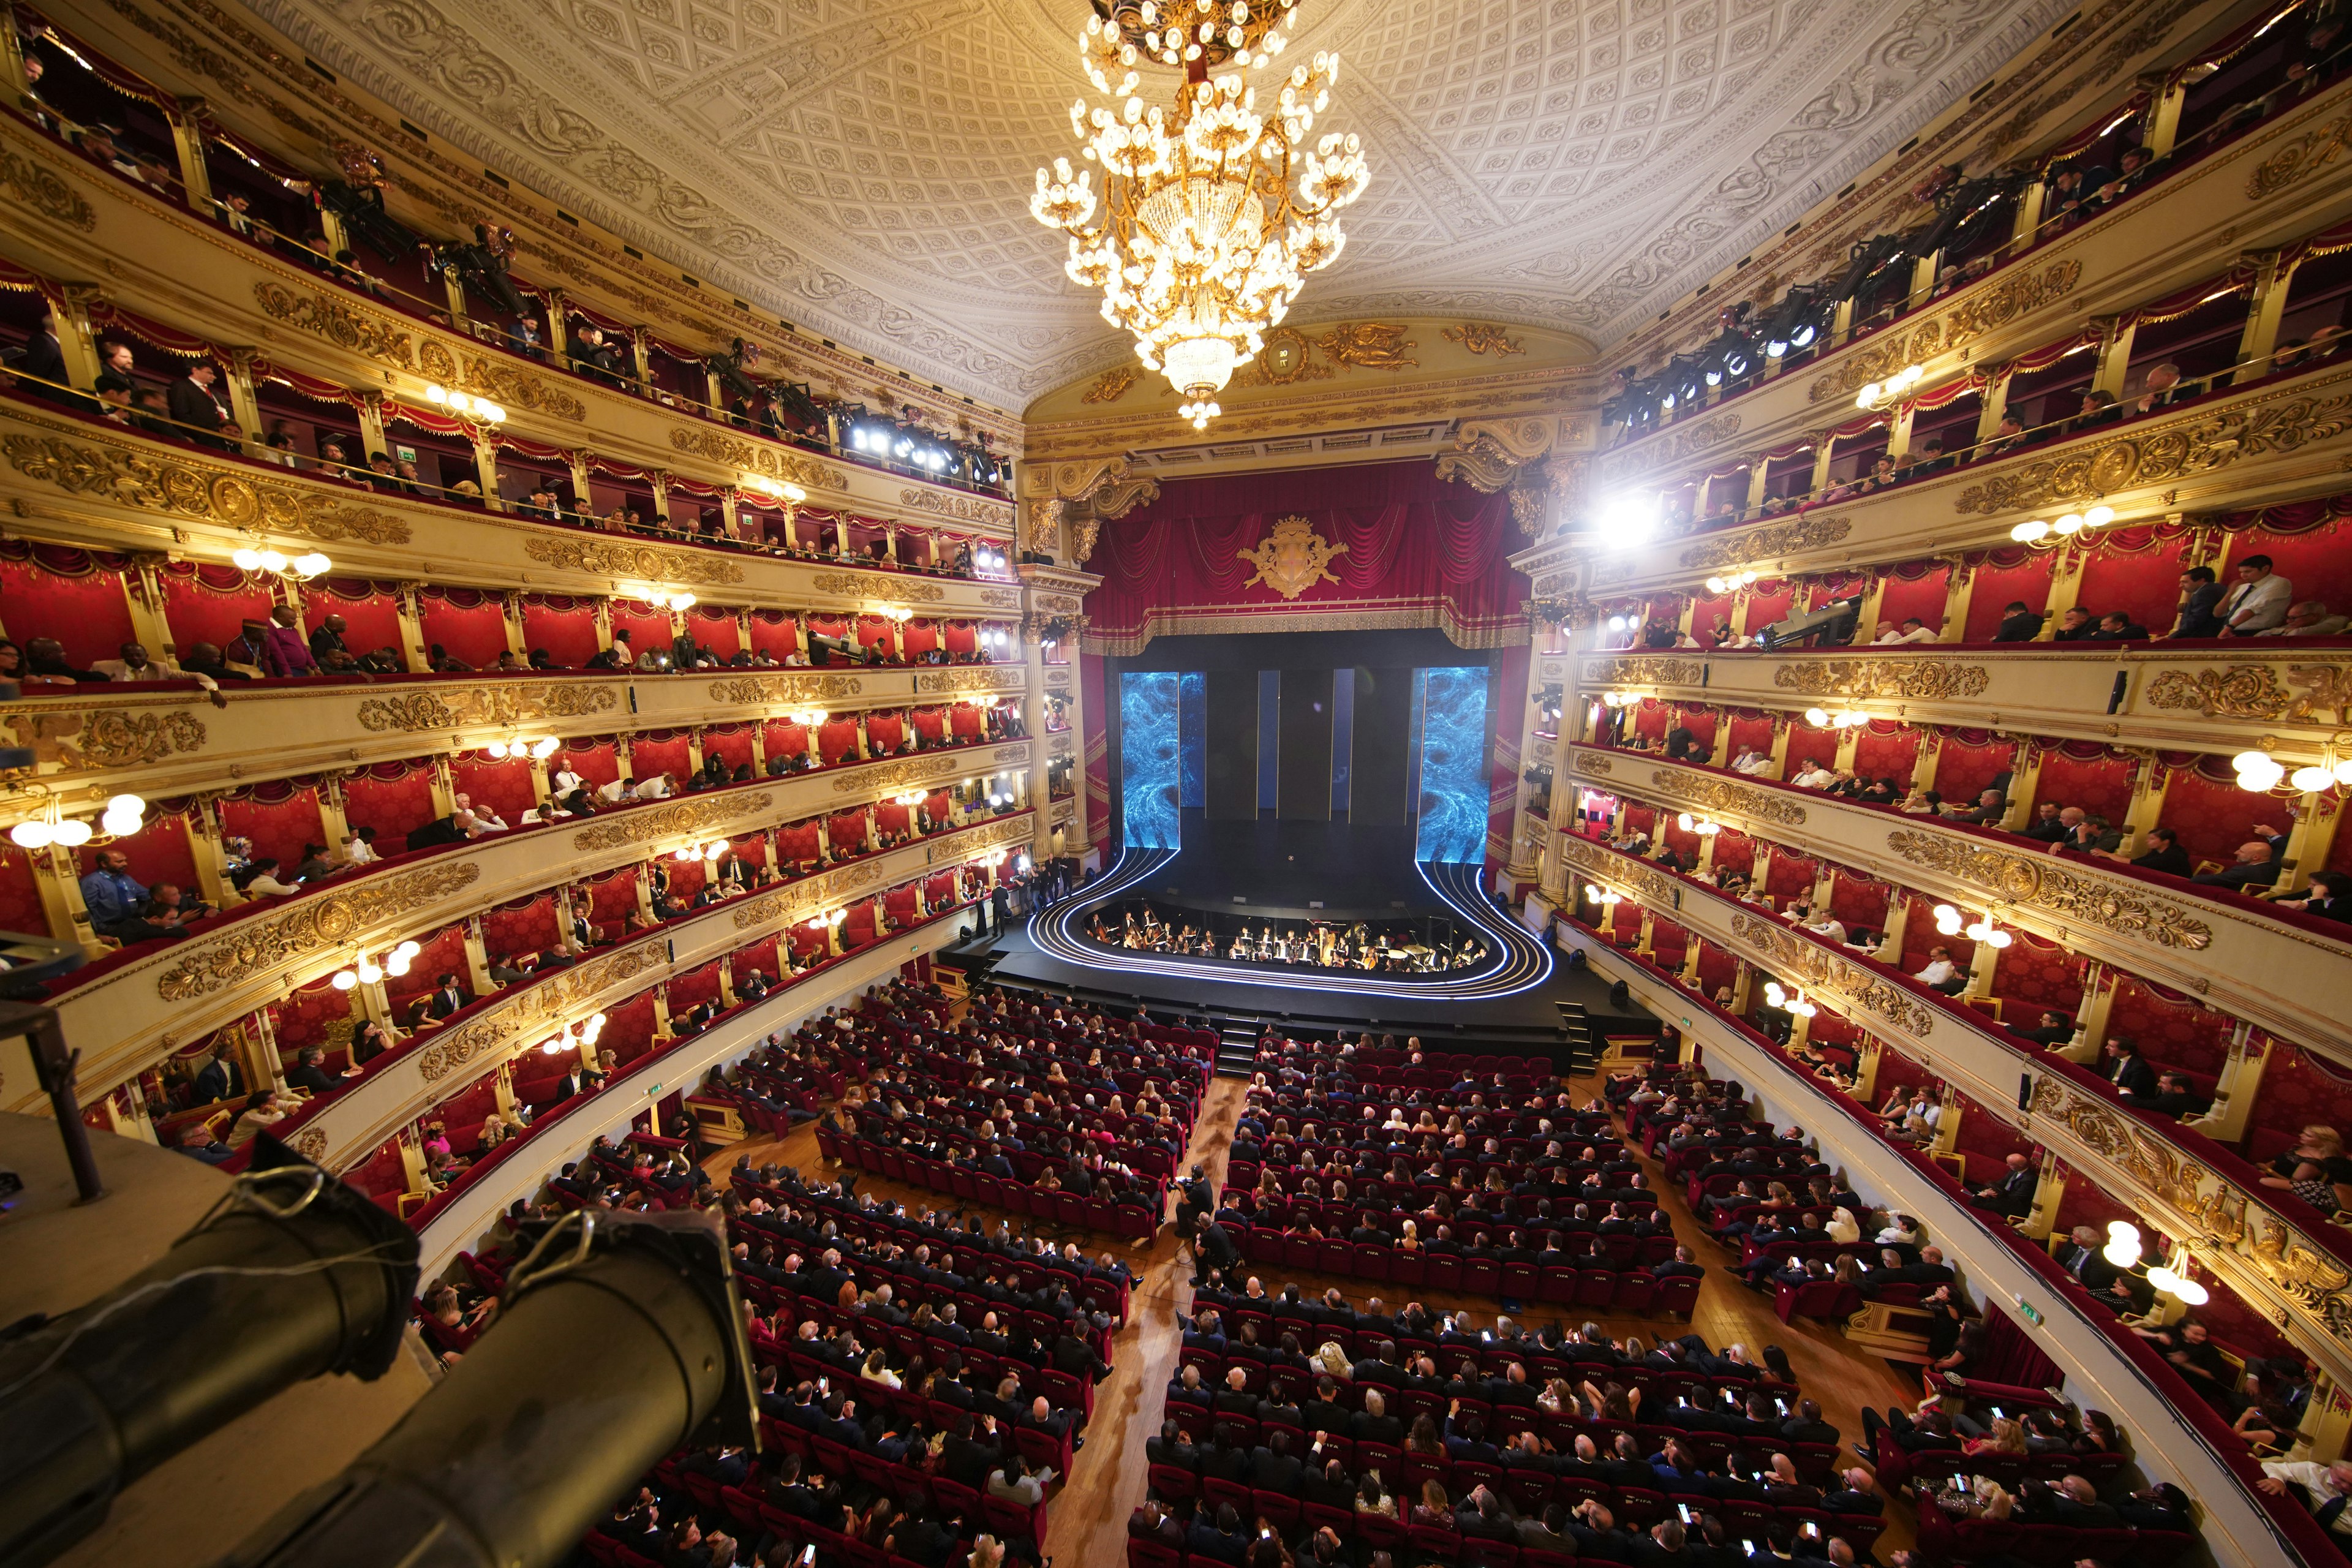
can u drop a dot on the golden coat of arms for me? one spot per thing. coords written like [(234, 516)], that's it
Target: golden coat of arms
[(1291, 559)]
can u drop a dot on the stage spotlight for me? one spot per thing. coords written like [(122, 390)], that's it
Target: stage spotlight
[(291, 1275), (1628, 518), (625, 1326)]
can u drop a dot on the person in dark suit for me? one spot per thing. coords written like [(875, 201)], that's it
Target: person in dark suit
[(2132, 1074), (1218, 1536), (1172, 1448), (220, 1079), (1235, 1399), (445, 997), (45, 361), (193, 407), (2083, 1258), (1273, 1466), (2018, 624), (1373, 1424), (2012, 1194)]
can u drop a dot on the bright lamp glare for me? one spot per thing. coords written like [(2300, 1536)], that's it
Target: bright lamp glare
[(2262, 776), (2191, 1293), (2311, 779), (32, 834), (2123, 1252), (71, 832)]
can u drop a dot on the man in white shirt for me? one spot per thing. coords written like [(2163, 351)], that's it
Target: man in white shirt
[(1914, 630), (658, 787), (1942, 974), (2328, 1486), (2259, 601), (488, 820), (1815, 776), (613, 794), (1830, 926), (566, 780), (1751, 762)]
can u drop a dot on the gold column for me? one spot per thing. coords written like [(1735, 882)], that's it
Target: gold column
[(2310, 840), (1960, 586), (518, 640), (2150, 781), (12, 63), (2266, 307), (1992, 402), (444, 787), (641, 356), (2048, 1192), (2167, 90), (242, 400), (1865, 620), (2113, 354), (2025, 778), (142, 591), (412, 630), (2028, 216), (477, 956), (70, 319), (371, 415), (58, 878), (486, 470)]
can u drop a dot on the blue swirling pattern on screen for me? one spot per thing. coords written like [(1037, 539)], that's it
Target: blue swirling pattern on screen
[(1194, 686), (1452, 762), (1149, 725)]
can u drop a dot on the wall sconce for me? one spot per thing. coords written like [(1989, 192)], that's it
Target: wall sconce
[(571, 1041), (790, 494), (1948, 924), (276, 562), (1791, 1002), (1730, 582), (2260, 772), (479, 409), (2180, 1287), (2067, 526), (710, 852), (367, 973), (1878, 394), (124, 815), (2123, 1244), (663, 598), (1605, 897), (1843, 719), (1698, 824), (540, 750)]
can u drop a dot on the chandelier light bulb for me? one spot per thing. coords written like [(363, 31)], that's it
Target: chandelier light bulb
[(246, 560), (2123, 1251), (1997, 939), (544, 749), (2027, 532), (407, 950), (2119, 1227), (2099, 517), (1714, 584), (120, 823), (2310, 780), (31, 834), (1818, 718), (2261, 775), (396, 965), (498, 750), (1683, 822), (2343, 772), (314, 565), (369, 973), (2163, 1278), (2188, 1292), (271, 560), (344, 980), (73, 833), (2069, 524)]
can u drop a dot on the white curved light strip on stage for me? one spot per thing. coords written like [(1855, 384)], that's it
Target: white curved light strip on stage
[(1522, 961)]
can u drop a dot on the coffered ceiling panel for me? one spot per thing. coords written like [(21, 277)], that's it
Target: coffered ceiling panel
[(864, 167)]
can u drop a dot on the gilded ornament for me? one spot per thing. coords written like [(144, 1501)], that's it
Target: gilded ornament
[(133, 478), (2187, 446), (867, 586), (915, 770), (537, 1009), (784, 467), (1291, 559), (1822, 969), (2299, 159), (36, 187), (310, 1143), (1768, 542), (1933, 678), (667, 821), (116, 740), (1489, 454), (1368, 345), (619, 558), (1682, 443), (2238, 692), (964, 509), (415, 713), (1594, 765), (2056, 888), (324, 316), (1484, 338), (1288, 356), (319, 923), (1732, 799), (945, 680), (2326, 688), (783, 689), (1112, 385), (1644, 670), (1000, 598)]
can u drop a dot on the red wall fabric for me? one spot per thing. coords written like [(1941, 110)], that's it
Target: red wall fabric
[(1734, 852), (2213, 817), (2298, 1090), (2319, 562), (1921, 597), (2101, 785), (1421, 549), (88, 613), (443, 953), (714, 627), (610, 900), (1858, 902), (159, 852), (884, 733), (646, 626), (1964, 771), (658, 753), (1886, 751), (628, 1029), (527, 927), (2171, 1030), (279, 828), (502, 786), (774, 633), (596, 762), (566, 629), (371, 615), (394, 806), (209, 602), (695, 986), (1995, 586), (305, 1015), (1808, 744), (476, 633), (782, 740), (20, 892), (2136, 570), (2032, 974), (732, 743)]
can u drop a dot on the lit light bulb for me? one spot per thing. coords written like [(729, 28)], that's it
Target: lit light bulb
[(271, 560), (407, 950), (73, 832), (436, 392), (130, 803), (31, 834), (311, 565), (2099, 517), (2191, 1293), (396, 965), (2311, 779), (2069, 524), (1818, 718), (1590, 891), (497, 748), (2123, 1252), (544, 749), (1999, 938), (2163, 1278), (344, 980), (1683, 822), (2027, 532), (2118, 1228), (120, 823), (1714, 584), (247, 560), (2261, 776), (369, 973)]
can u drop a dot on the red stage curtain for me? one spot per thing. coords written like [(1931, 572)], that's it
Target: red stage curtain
[(502, 786), (76, 597), (1431, 553), (662, 752), (527, 926), (2172, 1030), (1922, 596), (210, 603), (2213, 814), (279, 826), (714, 627), (1995, 586), (469, 624), (393, 798), (2098, 782), (565, 627), (371, 613)]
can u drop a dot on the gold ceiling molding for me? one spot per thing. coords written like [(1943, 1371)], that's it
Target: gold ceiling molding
[(619, 558), (128, 476), (784, 467), (2051, 887), (1682, 443), (2252, 691), (1489, 454), (1963, 324), (670, 821), (78, 737), (320, 923), (1642, 669), (872, 586), (968, 679), (1484, 338), (2199, 444), (964, 509), (1723, 795), (1291, 559), (2299, 159), (381, 338), (1081, 495), (537, 1009), (1820, 970), (784, 689), (1112, 385), (32, 185), (1927, 678), (474, 706), (1770, 543)]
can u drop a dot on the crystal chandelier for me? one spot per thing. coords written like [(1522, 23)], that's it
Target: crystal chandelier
[(1211, 212)]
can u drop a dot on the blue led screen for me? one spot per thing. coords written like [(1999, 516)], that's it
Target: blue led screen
[(1452, 705), (1149, 726), (1194, 687)]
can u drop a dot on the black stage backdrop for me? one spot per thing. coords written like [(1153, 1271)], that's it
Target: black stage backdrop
[(1303, 781), (1230, 745), (1377, 796)]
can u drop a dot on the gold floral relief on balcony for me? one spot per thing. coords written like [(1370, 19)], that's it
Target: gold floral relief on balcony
[(783, 689), (1930, 679), (473, 707), (968, 679), (479, 373), (2052, 887), (537, 1010), (2252, 691), (1771, 541), (789, 903), (964, 509), (2298, 159), (915, 770), (1644, 670), (1681, 444), (784, 467), (1592, 766), (1000, 598), (1980, 312), (620, 558), (2218, 1214), (1822, 971), (668, 821), (873, 586), (1722, 795), (320, 923), (128, 478), (75, 738), (389, 343), (2183, 447), (30, 184), (1624, 870)]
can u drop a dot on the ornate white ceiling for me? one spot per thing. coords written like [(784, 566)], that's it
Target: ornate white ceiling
[(862, 166)]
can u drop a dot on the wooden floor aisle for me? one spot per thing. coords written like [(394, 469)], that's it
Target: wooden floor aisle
[(1086, 1515)]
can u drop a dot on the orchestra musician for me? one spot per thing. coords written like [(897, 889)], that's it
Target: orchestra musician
[(1317, 944)]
